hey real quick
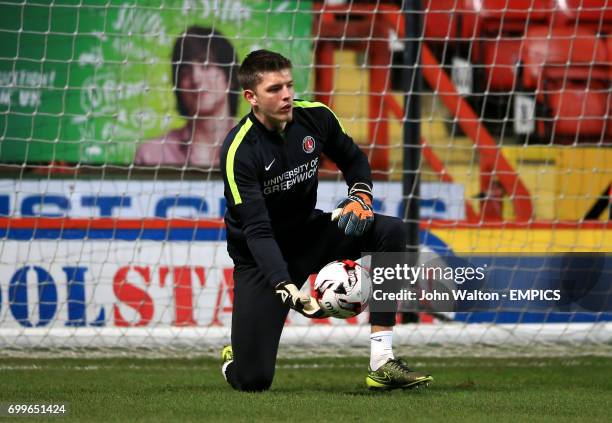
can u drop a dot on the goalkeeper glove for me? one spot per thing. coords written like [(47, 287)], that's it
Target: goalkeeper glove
[(299, 301), (354, 213)]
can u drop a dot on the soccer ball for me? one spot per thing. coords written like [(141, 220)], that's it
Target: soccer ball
[(343, 288)]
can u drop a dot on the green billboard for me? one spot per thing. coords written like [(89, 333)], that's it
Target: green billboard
[(91, 81)]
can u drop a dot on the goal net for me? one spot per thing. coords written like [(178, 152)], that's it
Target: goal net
[(112, 113)]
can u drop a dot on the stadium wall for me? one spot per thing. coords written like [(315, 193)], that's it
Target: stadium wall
[(141, 255)]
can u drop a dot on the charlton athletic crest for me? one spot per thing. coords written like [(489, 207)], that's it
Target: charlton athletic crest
[(308, 144)]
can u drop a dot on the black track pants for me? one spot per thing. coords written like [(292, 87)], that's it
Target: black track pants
[(259, 315)]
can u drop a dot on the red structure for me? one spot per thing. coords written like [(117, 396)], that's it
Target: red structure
[(363, 28), (366, 28)]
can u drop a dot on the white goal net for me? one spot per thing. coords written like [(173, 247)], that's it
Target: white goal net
[(111, 201)]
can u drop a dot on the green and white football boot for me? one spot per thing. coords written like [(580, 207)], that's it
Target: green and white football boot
[(227, 356), (395, 374)]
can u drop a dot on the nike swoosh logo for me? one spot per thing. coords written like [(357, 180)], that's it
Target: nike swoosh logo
[(385, 378), (270, 165), (377, 339)]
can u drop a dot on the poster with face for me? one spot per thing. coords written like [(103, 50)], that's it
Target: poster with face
[(117, 82)]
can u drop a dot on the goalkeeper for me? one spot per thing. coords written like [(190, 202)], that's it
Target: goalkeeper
[(277, 238)]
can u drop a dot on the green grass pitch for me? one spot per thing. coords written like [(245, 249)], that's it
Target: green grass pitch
[(565, 389)]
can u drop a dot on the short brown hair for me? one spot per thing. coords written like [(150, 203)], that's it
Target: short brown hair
[(258, 62)]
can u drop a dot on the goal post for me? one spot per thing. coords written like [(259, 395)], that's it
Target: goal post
[(487, 125)]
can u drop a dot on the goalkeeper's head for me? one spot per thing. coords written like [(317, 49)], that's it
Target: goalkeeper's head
[(267, 83), (204, 72)]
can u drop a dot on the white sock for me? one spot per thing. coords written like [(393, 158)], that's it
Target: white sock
[(381, 348)]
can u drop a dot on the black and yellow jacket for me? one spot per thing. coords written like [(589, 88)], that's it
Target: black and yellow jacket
[(271, 180)]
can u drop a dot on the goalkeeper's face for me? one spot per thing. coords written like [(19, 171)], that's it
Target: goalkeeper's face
[(272, 99)]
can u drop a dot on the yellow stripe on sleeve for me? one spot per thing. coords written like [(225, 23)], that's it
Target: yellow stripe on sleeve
[(308, 104), (231, 155)]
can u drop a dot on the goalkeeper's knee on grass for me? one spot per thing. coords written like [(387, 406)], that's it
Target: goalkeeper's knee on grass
[(252, 380)]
